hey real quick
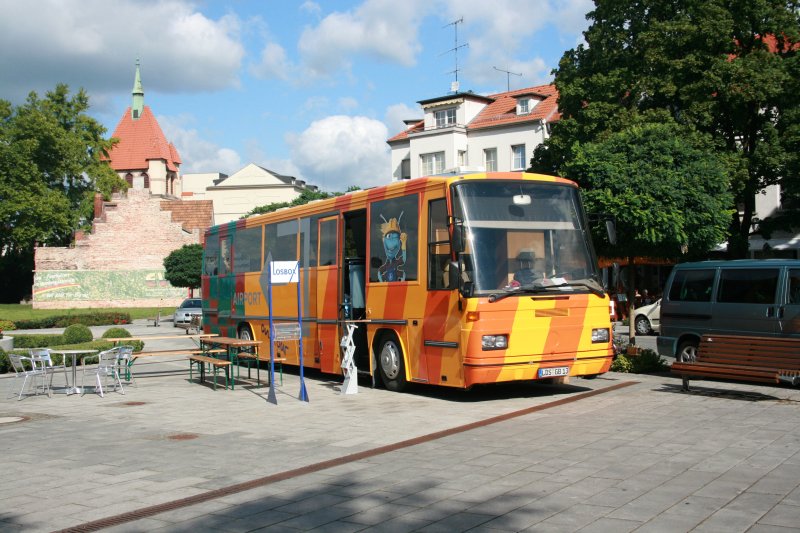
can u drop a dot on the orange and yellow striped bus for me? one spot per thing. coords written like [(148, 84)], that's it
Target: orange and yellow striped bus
[(454, 281)]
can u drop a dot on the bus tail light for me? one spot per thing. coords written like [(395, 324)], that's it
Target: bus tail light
[(494, 342)]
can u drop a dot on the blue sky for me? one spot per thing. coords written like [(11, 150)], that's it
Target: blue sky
[(311, 89)]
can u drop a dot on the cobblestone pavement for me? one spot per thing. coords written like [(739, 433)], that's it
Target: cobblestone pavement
[(617, 453)]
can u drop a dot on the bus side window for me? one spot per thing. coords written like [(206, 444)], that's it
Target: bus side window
[(438, 245)]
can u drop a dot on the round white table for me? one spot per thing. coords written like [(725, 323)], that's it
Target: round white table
[(74, 354)]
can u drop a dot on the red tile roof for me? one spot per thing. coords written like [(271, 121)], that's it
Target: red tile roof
[(192, 214), (140, 141), (503, 110)]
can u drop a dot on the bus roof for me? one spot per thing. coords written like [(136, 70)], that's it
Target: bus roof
[(358, 199)]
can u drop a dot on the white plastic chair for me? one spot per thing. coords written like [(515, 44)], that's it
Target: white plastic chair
[(107, 367), (124, 363), (18, 364), (43, 361)]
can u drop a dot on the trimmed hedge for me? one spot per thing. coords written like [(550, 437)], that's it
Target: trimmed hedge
[(62, 321), (77, 333)]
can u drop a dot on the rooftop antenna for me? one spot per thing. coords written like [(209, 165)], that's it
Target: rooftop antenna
[(454, 86), (508, 77)]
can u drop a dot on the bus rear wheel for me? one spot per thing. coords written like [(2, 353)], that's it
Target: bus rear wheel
[(244, 332), (390, 364)]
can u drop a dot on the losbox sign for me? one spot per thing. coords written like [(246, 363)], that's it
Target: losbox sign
[(284, 271)]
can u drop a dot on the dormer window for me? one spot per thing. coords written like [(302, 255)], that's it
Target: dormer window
[(445, 117), (523, 106)]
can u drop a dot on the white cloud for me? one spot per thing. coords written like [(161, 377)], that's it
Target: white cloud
[(69, 41), (396, 114), (339, 151), (496, 37), (198, 154), (273, 63), (384, 29)]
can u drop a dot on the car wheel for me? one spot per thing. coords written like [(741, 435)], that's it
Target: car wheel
[(642, 325), (390, 364), (687, 352)]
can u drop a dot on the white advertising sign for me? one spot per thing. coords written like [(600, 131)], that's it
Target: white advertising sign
[(284, 271)]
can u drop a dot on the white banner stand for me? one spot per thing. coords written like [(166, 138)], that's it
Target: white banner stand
[(350, 385)]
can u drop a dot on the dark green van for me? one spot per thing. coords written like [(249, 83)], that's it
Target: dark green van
[(741, 297)]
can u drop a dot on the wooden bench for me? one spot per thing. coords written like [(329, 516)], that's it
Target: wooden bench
[(189, 351), (759, 359), (216, 364), (257, 359)]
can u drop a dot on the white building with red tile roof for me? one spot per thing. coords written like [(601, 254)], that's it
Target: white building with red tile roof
[(498, 132)]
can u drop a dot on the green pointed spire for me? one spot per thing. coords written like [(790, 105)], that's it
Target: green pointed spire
[(137, 106)]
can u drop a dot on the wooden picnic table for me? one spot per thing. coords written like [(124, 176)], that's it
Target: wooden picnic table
[(230, 344)]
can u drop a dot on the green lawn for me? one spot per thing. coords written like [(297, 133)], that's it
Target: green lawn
[(15, 312)]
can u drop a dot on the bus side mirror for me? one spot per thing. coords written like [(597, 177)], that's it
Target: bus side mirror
[(611, 229), (453, 275), (458, 236)]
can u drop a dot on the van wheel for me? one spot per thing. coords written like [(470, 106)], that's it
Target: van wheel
[(390, 364), (687, 352)]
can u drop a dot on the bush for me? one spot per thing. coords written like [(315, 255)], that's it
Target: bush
[(5, 364), (38, 340), (88, 319), (646, 362), (116, 333), (77, 333), (7, 325)]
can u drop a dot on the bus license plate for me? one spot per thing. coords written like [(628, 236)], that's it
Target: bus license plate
[(553, 372)]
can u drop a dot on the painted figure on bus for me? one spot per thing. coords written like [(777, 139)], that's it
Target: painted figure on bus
[(394, 245)]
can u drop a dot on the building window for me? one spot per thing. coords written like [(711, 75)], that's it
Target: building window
[(445, 117), (462, 158), (129, 179), (405, 169), (523, 106), (518, 162), (432, 163), (490, 159)]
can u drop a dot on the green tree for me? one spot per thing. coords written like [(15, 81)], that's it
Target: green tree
[(306, 196), (50, 167), (727, 69), (184, 266), (645, 177)]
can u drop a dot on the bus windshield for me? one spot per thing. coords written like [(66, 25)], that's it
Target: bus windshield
[(523, 236)]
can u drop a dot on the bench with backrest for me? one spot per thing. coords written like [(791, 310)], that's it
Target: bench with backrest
[(759, 359)]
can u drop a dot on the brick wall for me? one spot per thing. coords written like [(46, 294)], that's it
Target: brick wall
[(133, 234)]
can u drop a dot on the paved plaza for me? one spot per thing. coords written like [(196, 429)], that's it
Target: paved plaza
[(618, 453)]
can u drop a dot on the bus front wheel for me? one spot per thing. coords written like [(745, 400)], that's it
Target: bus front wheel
[(390, 364)]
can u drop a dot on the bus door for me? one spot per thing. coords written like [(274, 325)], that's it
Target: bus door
[(354, 290), (327, 350)]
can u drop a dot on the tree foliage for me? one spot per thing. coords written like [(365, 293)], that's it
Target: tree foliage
[(645, 177), (726, 69), (306, 196), (50, 168), (184, 266)]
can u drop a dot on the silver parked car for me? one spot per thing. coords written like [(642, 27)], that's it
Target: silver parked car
[(647, 319), (189, 308)]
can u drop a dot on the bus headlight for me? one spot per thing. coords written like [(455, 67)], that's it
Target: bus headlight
[(494, 342), (600, 335)]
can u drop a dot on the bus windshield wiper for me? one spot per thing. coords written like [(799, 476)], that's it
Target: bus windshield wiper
[(546, 285)]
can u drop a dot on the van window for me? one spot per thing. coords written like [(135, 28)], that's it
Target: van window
[(794, 286), (692, 285), (748, 285)]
